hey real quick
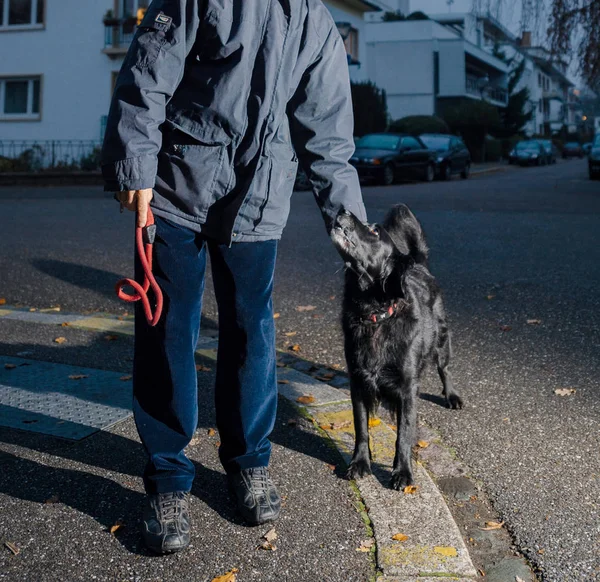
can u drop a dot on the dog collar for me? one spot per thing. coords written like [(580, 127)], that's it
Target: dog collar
[(394, 308)]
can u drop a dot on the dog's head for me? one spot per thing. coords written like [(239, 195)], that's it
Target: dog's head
[(367, 249)]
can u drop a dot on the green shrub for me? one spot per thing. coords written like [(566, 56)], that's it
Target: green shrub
[(370, 108), (91, 162), (493, 149), (416, 124)]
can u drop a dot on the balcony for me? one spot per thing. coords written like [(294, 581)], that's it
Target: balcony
[(118, 34), (477, 87)]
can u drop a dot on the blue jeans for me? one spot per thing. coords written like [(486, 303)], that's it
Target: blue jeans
[(165, 384)]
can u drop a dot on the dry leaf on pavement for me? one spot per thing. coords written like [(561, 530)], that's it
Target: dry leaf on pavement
[(9, 366), (230, 576), (410, 489), (32, 309), (12, 547), (505, 327), (283, 381), (271, 535), (336, 425), (118, 525), (366, 545), (291, 333), (491, 525), (78, 376), (565, 391), (211, 432), (534, 321), (446, 551), (60, 340), (306, 399), (305, 308), (330, 466), (422, 444), (490, 297), (519, 579), (276, 315), (65, 324), (400, 537), (294, 348), (374, 422), (111, 338), (2, 301), (126, 378), (201, 368)]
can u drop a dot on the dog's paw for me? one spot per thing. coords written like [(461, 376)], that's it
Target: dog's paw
[(358, 469), (454, 401), (401, 479)]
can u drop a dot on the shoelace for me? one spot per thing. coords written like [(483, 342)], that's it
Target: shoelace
[(259, 479), (169, 505)]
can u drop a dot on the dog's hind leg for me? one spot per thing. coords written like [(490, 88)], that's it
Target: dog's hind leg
[(443, 353), (406, 431), (360, 465)]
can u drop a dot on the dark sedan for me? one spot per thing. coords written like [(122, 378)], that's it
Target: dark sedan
[(594, 159), (385, 157), (572, 149), (528, 152), (452, 155)]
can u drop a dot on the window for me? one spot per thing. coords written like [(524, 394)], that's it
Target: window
[(21, 13), (539, 79), (540, 105), (411, 143), (20, 98)]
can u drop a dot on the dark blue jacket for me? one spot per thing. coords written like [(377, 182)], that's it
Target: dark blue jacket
[(216, 103)]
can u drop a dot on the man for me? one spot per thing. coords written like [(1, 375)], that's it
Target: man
[(216, 102)]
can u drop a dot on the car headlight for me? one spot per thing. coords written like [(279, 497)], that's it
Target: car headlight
[(440, 159)]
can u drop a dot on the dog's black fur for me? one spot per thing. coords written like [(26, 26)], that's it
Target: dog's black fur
[(387, 267)]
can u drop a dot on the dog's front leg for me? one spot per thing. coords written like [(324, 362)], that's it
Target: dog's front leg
[(406, 429), (360, 465)]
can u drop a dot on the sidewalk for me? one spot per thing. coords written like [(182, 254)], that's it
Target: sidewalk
[(70, 506)]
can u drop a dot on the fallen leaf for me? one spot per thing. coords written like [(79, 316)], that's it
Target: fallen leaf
[(366, 545), (306, 399), (317, 316), (519, 579), (292, 422), (111, 338), (280, 365), (60, 340), (400, 537), (2, 301), (32, 309), (211, 432), (505, 327), (565, 391), (490, 297), (305, 308), (294, 348), (201, 368), (118, 525), (322, 378), (53, 309), (125, 378), (534, 321), (230, 576), (266, 546), (78, 376), (53, 499), (271, 535), (12, 547), (332, 297), (276, 315), (446, 551), (541, 551), (481, 572), (330, 466), (283, 381), (422, 444), (336, 425), (410, 489), (491, 525), (374, 422), (10, 366), (218, 444), (194, 441), (65, 324), (291, 333)]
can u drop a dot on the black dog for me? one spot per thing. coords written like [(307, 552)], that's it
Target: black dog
[(394, 324)]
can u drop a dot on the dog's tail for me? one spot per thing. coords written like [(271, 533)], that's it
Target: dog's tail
[(407, 233)]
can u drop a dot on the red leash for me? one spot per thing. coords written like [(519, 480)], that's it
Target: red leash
[(144, 239)]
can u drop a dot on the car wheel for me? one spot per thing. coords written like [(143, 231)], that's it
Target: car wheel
[(387, 177), (429, 173), (466, 172), (447, 172)]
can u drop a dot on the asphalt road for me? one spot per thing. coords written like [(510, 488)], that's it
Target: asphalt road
[(506, 248)]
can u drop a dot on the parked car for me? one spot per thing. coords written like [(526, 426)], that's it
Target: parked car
[(587, 147), (452, 155), (385, 157), (594, 159), (572, 149), (550, 149), (528, 152)]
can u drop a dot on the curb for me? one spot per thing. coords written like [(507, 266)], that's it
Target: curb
[(433, 548), (491, 170)]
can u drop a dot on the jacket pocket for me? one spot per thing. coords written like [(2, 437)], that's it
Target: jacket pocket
[(192, 175)]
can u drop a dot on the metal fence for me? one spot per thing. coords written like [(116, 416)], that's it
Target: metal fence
[(48, 155)]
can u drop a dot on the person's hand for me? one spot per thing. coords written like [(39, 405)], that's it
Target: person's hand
[(137, 200)]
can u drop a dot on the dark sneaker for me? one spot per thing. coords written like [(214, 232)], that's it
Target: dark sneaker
[(166, 527), (256, 495)]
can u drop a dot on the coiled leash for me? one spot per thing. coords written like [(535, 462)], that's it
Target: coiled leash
[(144, 239)]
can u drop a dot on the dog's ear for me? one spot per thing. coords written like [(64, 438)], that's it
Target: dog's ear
[(406, 233)]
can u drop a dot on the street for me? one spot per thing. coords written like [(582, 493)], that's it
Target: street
[(516, 254)]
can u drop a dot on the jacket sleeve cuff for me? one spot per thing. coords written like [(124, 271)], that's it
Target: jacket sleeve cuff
[(130, 174)]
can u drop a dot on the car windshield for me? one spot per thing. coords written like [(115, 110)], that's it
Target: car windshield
[(572, 144), (527, 145), (440, 143), (378, 141)]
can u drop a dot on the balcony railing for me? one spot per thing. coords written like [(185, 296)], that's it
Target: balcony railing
[(49, 155), (473, 87), (118, 34)]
